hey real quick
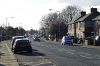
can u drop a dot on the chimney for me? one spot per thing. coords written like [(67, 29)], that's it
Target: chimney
[(83, 13), (93, 10)]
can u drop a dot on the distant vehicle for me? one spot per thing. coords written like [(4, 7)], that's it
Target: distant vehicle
[(21, 45), (36, 38), (97, 40), (67, 40), (16, 37)]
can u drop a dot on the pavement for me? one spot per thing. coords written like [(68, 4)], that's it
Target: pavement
[(6, 56)]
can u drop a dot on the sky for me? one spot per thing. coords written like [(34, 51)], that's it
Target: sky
[(28, 13)]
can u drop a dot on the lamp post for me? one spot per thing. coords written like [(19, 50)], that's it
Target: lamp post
[(7, 21), (7, 25), (58, 21)]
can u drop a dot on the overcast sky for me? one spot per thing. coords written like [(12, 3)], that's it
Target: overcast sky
[(27, 13)]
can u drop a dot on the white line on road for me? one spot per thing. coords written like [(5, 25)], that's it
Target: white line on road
[(12, 56), (86, 57), (68, 51), (89, 56)]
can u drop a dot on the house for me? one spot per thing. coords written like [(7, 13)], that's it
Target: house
[(87, 25), (97, 25), (75, 27)]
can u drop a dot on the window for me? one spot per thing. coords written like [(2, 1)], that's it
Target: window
[(76, 25), (81, 24)]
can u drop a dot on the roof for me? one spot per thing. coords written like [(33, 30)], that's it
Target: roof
[(97, 18), (75, 20), (70, 22), (17, 37), (88, 17), (26, 39)]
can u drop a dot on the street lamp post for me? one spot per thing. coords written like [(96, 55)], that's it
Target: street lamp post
[(7, 25), (58, 21), (7, 21)]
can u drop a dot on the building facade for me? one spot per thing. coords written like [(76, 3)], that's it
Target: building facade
[(86, 26)]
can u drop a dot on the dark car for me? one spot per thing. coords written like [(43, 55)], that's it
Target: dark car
[(36, 38), (97, 40), (21, 45), (16, 37)]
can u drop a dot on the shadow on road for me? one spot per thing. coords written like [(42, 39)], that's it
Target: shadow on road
[(76, 45), (34, 50), (2, 65), (34, 53)]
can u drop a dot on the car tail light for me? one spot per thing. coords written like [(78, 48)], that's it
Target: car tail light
[(17, 45)]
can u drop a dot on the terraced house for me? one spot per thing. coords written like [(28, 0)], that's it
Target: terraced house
[(87, 25)]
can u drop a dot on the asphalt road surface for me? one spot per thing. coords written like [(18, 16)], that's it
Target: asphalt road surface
[(60, 55)]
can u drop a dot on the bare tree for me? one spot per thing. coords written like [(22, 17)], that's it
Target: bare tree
[(70, 13), (56, 23), (47, 21)]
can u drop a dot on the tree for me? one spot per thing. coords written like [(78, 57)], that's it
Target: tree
[(10, 32), (70, 13), (56, 23), (47, 21), (22, 31)]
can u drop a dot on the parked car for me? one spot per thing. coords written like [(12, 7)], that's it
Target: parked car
[(36, 38), (97, 40), (21, 45), (67, 40), (16, 37)]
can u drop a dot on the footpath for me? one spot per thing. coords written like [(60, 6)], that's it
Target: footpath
[(6, 56)]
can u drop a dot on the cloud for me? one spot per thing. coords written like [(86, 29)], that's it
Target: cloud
[(29, 12), (81, 2)]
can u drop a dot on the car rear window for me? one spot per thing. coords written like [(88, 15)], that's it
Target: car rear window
[(67, 38), (23, 42)]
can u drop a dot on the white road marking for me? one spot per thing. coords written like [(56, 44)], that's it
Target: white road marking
[(70, 53), (86, 57), (84, 53), (89, 56), (12, 56)]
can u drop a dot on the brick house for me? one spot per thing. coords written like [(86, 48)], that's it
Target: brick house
[(87, 25)]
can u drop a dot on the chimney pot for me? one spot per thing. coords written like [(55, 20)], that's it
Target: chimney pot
[(93, 10), (83, 13)]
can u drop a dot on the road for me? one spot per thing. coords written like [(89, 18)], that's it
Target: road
[(60, 55)]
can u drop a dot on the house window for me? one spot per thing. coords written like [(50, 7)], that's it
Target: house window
[(72, 26), (69, 27), (81, 24), (76, 25)]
